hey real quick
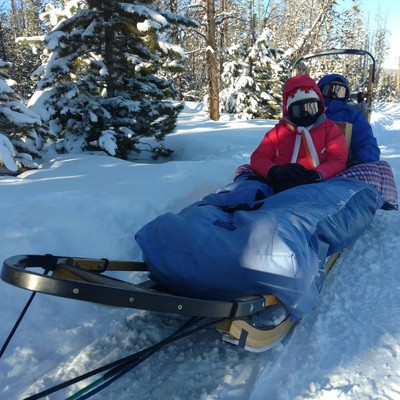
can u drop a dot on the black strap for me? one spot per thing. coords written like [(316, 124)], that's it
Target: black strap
[(16, 325), (19, 320), (243, 338)]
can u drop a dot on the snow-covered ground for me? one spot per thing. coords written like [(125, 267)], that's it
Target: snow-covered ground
[(92, 206)]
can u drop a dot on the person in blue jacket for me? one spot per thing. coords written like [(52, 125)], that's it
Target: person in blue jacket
[(336, 93)]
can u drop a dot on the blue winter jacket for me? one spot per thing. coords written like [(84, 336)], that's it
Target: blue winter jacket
[(364, 146)]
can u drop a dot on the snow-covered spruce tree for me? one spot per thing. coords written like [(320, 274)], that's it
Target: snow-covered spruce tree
[(102, 87), (22, 133), (24, 21), (387, 89), (254, 79)]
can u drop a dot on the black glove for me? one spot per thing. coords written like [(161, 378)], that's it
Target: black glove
[(313, 176), (282, 177)]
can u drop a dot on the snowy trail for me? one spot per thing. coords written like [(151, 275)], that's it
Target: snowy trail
[(91, 206)]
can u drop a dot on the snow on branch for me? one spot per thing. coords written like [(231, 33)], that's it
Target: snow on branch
[(107, 141), (147, 25), (7, 153), (146, 12)]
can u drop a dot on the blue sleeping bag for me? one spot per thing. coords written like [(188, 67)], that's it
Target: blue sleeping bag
[(245, 241)]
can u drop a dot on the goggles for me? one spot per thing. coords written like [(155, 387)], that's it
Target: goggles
[(304, 108), (335, 91)]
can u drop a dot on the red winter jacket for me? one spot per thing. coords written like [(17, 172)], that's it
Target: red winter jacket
[(278, 144)]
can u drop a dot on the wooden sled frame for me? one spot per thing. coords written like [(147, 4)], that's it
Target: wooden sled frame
[(347, 129)]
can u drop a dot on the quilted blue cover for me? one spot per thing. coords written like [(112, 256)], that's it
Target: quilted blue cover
[(274, 245)]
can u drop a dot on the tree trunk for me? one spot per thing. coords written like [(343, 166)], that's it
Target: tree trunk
[(211, 62), (223, 43), (173, 8), (109, 56), (3, 51)]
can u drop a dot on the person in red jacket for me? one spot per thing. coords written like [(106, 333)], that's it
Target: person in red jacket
[(304, 146)]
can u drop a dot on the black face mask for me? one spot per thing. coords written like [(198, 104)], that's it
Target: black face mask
[(305, 112)]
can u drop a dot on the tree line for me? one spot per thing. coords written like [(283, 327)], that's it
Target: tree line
[(110, 76)]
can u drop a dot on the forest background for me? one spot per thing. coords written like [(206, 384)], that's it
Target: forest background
[(110, 76)]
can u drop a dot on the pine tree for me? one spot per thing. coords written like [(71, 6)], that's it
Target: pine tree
[(21, 19), (102, 87), (22, 133), (254, 79), (387, 89)]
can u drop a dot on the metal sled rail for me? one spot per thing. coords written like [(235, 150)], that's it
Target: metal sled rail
[(82, 279), (333, 52)]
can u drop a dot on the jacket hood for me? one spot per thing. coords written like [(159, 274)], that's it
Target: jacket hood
[(303, 82), (326, 80), (330, 78)]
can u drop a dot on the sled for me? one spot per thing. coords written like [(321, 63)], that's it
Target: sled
[(91, 280)]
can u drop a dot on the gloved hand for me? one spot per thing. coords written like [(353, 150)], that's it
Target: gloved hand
[(312, 176), (283, 177), (286, 176)]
